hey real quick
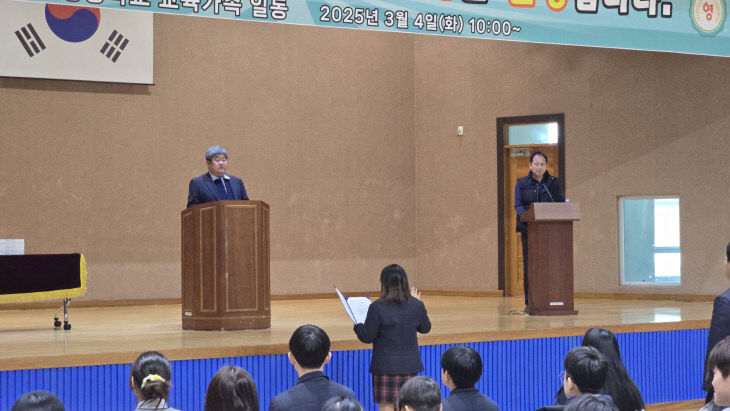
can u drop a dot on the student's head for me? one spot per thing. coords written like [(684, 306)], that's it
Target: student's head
[(618, 384), (420, 394), (342, 404), (591, 402), (310, 347), (38, 401), (150, 376), (719, 363), (461, 367), (604, 341), (394, 287), (231, 389), (585, 371)]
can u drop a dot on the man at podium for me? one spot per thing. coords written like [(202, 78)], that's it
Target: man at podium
[(216, 185), (537, 187)]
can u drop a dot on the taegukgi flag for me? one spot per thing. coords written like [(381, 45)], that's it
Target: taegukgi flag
[(55, 41)]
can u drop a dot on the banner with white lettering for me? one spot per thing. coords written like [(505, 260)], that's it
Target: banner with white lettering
[(682, 26), (75, 43)]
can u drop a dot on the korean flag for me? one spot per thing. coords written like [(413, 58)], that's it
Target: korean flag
[(75, 43)]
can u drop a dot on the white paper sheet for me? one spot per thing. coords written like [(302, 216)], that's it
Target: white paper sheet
[(355, 307)]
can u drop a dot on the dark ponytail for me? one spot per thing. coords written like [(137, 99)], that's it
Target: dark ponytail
[(151, 375)]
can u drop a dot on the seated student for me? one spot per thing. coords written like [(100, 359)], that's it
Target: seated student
[(619, 385), (38, 401), (309, 351), (719, 326), (461, 368), (342, 404), (591, 402), (719, 363), (231, 389), (419, 394), (585, 373), (149, 379)]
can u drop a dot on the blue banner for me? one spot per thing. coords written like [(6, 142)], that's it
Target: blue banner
[(681, 26)]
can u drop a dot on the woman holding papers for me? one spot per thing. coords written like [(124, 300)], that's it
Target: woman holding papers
[(392, 324)]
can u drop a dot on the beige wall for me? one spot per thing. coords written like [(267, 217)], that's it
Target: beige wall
[(350, 136), (317, 122), (635, 123)]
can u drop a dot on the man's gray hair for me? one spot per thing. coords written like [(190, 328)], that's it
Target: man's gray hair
[(214, 151)]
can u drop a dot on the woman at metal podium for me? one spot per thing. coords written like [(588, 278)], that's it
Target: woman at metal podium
[(538, 186)]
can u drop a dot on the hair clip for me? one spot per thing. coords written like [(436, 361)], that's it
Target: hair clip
[(151, 377)]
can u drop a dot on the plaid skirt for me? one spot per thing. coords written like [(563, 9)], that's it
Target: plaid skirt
[(387, 387)]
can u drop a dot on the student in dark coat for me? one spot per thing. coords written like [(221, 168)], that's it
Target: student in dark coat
[(309, 351), (585, 373), (719, 363), (590, 402), (719, 327), (392, 325), (618, 385), (461, 368)]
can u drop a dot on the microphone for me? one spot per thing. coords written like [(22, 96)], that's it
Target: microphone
[(548, 192)]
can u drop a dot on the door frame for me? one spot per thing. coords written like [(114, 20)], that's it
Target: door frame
[(501, 123)]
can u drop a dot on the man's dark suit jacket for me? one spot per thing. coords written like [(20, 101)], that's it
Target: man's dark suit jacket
[(468, 399), (309, 394), (203, 190), (719, 329)]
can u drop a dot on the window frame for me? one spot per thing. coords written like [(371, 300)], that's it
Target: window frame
[(621, 234)]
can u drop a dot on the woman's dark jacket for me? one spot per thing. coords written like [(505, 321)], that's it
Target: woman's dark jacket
[(393, 328)]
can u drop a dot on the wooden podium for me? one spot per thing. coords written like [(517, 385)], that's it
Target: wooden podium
[(550, 257), (225, 266)]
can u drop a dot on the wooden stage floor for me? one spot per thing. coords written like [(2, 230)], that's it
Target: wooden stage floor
[(116, 335)]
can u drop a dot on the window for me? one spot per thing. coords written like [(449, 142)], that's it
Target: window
[(538, 133), (649, 240)]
